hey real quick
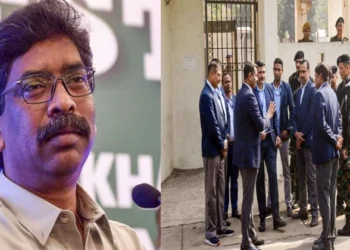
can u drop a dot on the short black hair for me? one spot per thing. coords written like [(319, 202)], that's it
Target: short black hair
[(307, 63), (344, 58), (278, 61), (213, 67), (249, 67), (37, 22), (299, 55), (334, 69), (323, 70), (215, 60), (260, 64)]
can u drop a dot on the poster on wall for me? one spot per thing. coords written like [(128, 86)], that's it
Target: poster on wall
[(125, 40)]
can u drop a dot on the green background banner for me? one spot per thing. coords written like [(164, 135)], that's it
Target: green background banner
[(125, 39)]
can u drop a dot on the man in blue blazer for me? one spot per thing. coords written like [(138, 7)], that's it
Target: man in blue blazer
[(214, 119), (303, 123), (270, 141), (326, 143), (283, 96), (231, 190), (248, 124)]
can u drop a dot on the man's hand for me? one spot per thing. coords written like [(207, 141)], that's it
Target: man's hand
[(278, 142), (300, 139), (224, 150), (271, 110), (284, 135), (339, 143), (299, 136), (344, 154), (262, 136)]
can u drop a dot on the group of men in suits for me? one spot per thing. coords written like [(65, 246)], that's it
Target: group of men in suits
[(252, 127)]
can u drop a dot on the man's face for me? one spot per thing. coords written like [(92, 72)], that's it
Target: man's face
[(344, 70), (227, 84), (253, 78), (229, 59), (340, 28), (215, 77), (334, 80), (307, 33), (304, 73), (277, 71), (261, 75), (65, 151), (297, 63)]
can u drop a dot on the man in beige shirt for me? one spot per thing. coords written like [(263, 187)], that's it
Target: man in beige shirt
[(47, 129)]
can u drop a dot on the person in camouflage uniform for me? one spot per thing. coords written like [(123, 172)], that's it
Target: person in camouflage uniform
[(343, 95)]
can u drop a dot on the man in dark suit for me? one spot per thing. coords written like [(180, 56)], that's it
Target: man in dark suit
[(284, 100), (270, 141), (303, 123), (343, 95), (231, 190), (326, 144), (248, 124), (214, 117)]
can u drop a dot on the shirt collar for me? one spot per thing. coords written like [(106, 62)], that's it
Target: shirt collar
[(279, 87), (248, 86), (323, 85), (40, 218), (211, 86), (260, 90)]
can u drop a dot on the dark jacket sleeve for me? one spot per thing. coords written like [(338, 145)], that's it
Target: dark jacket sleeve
[(320, 119), (307, 128), (291, 106), (207, 111)]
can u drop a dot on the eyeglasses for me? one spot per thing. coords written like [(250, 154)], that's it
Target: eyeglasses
[(40, 88)]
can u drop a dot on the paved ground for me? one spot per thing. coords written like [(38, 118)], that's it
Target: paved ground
[(183, 220)]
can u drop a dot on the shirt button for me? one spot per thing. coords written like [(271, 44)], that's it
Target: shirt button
[(64, 219), (52, 235)]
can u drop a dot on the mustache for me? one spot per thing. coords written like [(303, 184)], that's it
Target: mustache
[(60, 122)]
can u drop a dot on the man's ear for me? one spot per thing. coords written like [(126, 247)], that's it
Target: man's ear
[(2, 142), (95, 130)]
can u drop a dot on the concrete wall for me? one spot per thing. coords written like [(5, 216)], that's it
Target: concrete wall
[(183, 75)]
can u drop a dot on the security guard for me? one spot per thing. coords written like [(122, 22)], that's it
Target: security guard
[(307, 33), (343, 95), (340, 30)]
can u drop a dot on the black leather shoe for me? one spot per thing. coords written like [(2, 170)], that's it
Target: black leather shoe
[(324, 245), (250, 247), (278, 223), (236, 214), (289, 212), (318, 241), (262, 226), (258, 242), (314, 221), (301, 216)]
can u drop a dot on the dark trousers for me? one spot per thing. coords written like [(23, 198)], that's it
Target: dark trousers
[(231, 190), (306, 181), (326, 178), (268, 156), (247, 223)]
